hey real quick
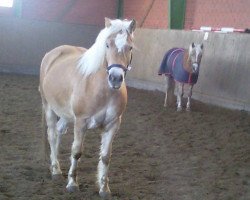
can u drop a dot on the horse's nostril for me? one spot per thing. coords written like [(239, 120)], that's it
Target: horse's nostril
[(121, 78), (111, 78)]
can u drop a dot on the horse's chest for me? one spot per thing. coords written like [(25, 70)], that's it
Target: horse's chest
[(102, 117), (93, 122)]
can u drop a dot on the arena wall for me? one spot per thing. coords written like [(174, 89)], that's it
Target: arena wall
[(225, 67), (224, 74), (23, 43)]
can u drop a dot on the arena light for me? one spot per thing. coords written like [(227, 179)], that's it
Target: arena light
[(6, 3)]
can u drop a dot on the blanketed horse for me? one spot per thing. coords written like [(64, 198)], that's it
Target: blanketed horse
[(86, 87), (181, 66)]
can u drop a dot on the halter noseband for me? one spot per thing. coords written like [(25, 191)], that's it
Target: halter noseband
[(125, 69)]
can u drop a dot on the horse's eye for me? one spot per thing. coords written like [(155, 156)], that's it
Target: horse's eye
[(130, 48), (107, 45)]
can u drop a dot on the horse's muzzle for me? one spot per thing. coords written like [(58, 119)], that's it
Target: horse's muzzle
[(115, 80), (116, 73), (195, 67)]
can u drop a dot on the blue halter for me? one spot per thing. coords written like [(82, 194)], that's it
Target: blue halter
[(125, 69)]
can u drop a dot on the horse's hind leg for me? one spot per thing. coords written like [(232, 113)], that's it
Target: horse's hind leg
[(105, 154), (188, 108), (179, 96), (169, 96), (54, 140), (167, 90)]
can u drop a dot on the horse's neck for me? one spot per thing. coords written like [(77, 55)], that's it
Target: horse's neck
[(187, 61)]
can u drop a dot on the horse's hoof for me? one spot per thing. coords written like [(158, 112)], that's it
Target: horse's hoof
[(57, 177), (55, 170), (105, 194), (72, 189), (179, 109), (188, 109)]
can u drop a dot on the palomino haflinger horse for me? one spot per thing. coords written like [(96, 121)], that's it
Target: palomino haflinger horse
[(86, 87), (181, 66)]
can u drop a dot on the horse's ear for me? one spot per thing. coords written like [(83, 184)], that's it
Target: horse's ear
[(202, 46), (132, 26), (193, 45), (107, 22)]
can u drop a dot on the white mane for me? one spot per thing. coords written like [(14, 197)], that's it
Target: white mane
[(94, 57)]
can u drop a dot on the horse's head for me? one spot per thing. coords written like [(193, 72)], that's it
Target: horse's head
[(119, 47), (195, 55)]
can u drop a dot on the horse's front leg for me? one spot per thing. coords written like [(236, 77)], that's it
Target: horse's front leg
[(179, 96), (188, 108), (105, 154), (76, 152)]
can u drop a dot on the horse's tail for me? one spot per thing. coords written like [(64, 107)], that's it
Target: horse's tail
[(163, 66)]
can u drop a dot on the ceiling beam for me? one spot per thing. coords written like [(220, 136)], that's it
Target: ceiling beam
[(67, 8), (147, 13), (119, 9), (18, 8)]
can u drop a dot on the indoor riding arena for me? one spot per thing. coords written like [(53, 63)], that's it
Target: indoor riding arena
[(158, 153)]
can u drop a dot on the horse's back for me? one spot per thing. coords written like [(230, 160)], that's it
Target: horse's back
[(168, 61), (177, 69), (59, 54), (60, 61)]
